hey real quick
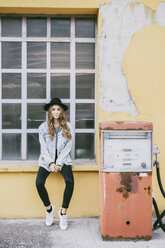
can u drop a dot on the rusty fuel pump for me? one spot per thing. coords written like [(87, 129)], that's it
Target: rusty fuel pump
[(126, 165), (126, 162)]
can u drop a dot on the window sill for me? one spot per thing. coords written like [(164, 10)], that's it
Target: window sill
[(27, 166)]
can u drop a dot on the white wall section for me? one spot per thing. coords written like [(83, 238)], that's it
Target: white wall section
[(160, 14), (121, 19)]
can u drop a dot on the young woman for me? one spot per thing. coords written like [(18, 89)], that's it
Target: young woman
[(55, 138)]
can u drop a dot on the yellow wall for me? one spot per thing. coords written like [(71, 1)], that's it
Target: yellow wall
[(143, 67), (19, 197), (51, 7)]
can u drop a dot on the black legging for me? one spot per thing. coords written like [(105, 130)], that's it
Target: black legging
[(67, 174)]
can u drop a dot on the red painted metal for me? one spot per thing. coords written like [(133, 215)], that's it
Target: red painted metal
[(125, 215), (124, 125)]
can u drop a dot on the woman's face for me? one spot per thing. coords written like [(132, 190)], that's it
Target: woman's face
[(56, 111)]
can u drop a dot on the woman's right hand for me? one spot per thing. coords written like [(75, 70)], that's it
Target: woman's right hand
[(52, 168)]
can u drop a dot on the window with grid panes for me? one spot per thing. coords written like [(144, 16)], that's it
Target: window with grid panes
[(44, 57)]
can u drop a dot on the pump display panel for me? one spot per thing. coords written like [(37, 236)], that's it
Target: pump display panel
[(126, 150)]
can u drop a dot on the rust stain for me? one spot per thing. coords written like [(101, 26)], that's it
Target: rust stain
[(134, 183), (149, 190), (120, 189), (118, 238), (125, 194), (128, 181), (119, 122)]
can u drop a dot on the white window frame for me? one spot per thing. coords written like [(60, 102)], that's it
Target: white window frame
[(72, 71)]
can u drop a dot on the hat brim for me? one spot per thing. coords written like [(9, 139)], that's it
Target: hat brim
[(47, 106)]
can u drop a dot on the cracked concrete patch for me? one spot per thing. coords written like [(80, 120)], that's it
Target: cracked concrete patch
[(25, 234)]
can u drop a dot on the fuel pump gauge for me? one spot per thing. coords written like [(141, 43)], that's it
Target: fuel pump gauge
[(127, 150)]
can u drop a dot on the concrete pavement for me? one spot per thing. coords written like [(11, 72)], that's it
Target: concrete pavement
[(82, 233)]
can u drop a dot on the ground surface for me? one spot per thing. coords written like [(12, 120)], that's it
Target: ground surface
[(82, 233)]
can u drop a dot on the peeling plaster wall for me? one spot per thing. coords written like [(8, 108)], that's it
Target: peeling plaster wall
[(121, 20), (160, 14)]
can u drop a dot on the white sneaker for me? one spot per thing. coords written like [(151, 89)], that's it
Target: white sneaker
[(63, 221), (49, 216)]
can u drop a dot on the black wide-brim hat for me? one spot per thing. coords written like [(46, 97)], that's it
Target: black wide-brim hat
[(56, 101)]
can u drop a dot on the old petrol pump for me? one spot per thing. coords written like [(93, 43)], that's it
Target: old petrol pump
[(126, 180)]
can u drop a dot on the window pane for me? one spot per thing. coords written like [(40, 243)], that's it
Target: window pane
[(36, 55), (36, 27), (11, 55), (35, 114), (11, 115), (84, 147), (33, 147), (11, 146), (11, 26), (60, 85), (60, 27), (11, 85), (85, 87), (85, 56), (36, 85), (60, 55), (84, 115), (85, 28)]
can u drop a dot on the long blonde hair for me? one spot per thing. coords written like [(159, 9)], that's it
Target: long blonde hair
[(62, 122)]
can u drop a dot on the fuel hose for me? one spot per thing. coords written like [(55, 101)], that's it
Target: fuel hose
[(158, 223)]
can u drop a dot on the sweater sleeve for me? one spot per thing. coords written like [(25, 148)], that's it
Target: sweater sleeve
[(66, 149), (43, 148)]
